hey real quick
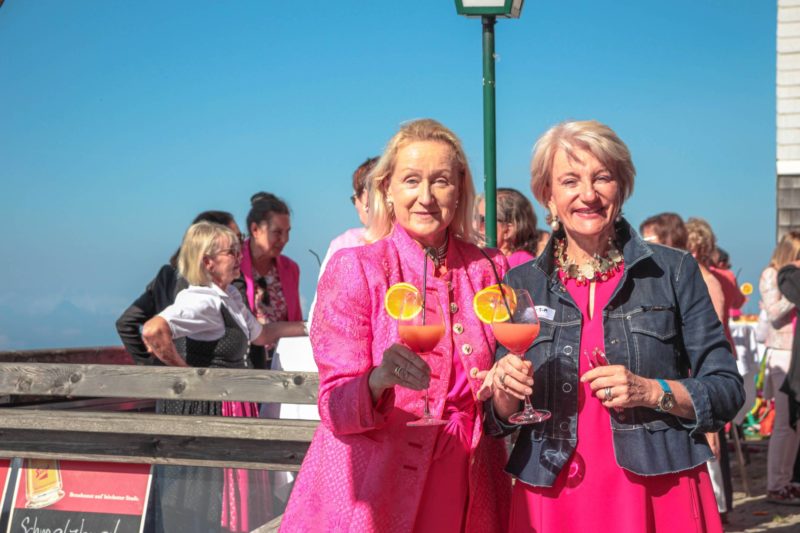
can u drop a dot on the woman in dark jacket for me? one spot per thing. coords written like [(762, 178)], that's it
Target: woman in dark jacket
[(631, 360)]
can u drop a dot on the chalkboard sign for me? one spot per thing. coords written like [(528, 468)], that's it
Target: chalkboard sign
[(54, 496)]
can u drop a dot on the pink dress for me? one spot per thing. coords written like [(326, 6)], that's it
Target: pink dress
[(519, 257), (592, 492), (246, 494)]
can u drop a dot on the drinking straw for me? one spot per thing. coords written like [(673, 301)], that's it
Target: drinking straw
[(499, 284), (429, 251)]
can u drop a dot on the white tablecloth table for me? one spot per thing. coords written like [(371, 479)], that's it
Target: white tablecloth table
[(291, 354)]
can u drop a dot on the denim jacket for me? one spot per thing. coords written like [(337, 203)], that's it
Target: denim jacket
[(659, 323)]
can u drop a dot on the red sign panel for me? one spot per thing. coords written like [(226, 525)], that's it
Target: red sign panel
[(81, 497), (5, 471)]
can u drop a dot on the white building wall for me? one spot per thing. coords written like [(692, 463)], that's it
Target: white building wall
[(788, 116)]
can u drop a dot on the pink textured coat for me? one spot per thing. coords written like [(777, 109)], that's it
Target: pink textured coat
[(365, 469)]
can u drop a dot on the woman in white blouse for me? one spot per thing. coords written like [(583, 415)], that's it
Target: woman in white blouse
[(785, 439), (218, 328), (209, 260)]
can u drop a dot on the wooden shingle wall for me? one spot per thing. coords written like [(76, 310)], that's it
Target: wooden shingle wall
[(788, 116)]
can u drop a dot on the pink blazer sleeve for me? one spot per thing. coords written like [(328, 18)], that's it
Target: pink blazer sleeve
[(289, 273), (341, 336)]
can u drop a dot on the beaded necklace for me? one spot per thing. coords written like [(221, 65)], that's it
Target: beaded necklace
[(441, 251), (602, 268)]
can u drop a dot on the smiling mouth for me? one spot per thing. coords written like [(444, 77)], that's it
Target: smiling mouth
[(590, 211)]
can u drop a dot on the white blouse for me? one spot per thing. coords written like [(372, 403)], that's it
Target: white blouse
[(196, 313)]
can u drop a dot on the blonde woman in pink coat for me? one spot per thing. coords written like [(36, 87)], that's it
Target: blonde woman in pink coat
[(365, 469)]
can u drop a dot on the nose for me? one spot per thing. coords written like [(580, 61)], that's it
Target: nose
[(425, 197), (588, 193)]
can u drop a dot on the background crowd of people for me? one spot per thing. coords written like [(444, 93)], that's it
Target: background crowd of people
[(648, 425)]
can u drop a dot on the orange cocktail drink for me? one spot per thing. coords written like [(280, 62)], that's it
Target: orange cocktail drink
[(421, 338), (516, 337)]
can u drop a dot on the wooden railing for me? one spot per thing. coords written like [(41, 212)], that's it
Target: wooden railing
[(41, 432)]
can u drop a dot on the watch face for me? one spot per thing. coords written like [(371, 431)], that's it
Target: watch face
[(667, 402)]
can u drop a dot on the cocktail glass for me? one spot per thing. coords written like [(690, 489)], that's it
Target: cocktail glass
[(515, 326), (421, 333)]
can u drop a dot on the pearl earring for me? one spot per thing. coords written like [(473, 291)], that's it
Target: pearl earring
[(552, 221)]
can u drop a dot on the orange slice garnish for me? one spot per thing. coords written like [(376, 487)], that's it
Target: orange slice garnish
[(486, 300), (396, 296), (746, 288)]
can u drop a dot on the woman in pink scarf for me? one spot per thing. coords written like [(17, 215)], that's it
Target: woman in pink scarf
[(366, 470)]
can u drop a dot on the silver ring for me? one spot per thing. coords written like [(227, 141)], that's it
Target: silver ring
[(399, 371), (609, 397)]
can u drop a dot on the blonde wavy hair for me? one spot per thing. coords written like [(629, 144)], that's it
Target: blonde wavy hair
[(701, 241), (788, 250), (201, 240), (590, 135), (381, 217)]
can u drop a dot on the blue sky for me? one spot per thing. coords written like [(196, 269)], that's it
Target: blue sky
[(119, 121)]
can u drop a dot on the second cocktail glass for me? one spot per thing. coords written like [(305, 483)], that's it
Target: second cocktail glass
[(515, 326)]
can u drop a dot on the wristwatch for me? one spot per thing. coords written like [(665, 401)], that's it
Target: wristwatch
[(667, 400)]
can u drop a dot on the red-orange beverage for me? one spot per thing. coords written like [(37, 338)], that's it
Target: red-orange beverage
[(421, 339), (516, 337)]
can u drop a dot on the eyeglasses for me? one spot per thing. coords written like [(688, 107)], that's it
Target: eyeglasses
[(354, 197), (262, 284), (234, 251)]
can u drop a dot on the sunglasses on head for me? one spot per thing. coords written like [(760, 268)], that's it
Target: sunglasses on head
[(262, 284)]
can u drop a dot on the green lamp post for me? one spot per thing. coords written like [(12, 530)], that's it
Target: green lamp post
[(489, 10)]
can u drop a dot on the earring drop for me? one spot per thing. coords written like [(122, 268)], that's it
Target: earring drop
[(618, 218), (552, 221)]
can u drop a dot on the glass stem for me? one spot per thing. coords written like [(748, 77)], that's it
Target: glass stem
[(528, 405), (426, 413)]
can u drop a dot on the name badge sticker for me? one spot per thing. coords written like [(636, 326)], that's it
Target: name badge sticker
[(545, 312)]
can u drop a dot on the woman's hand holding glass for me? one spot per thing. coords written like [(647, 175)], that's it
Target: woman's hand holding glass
[(415, 373)]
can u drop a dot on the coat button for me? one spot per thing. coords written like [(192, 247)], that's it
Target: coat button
[(566, 387), (458, 329), (453, 307), (567, 350), (564, 426), (466, 349)]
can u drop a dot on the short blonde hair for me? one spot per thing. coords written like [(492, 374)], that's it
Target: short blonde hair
[(201, 240), (788, 250), (381, 217), (701, 241), (589, 135)]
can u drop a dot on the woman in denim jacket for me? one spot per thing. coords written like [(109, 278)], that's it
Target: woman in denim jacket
[(631, 360)]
